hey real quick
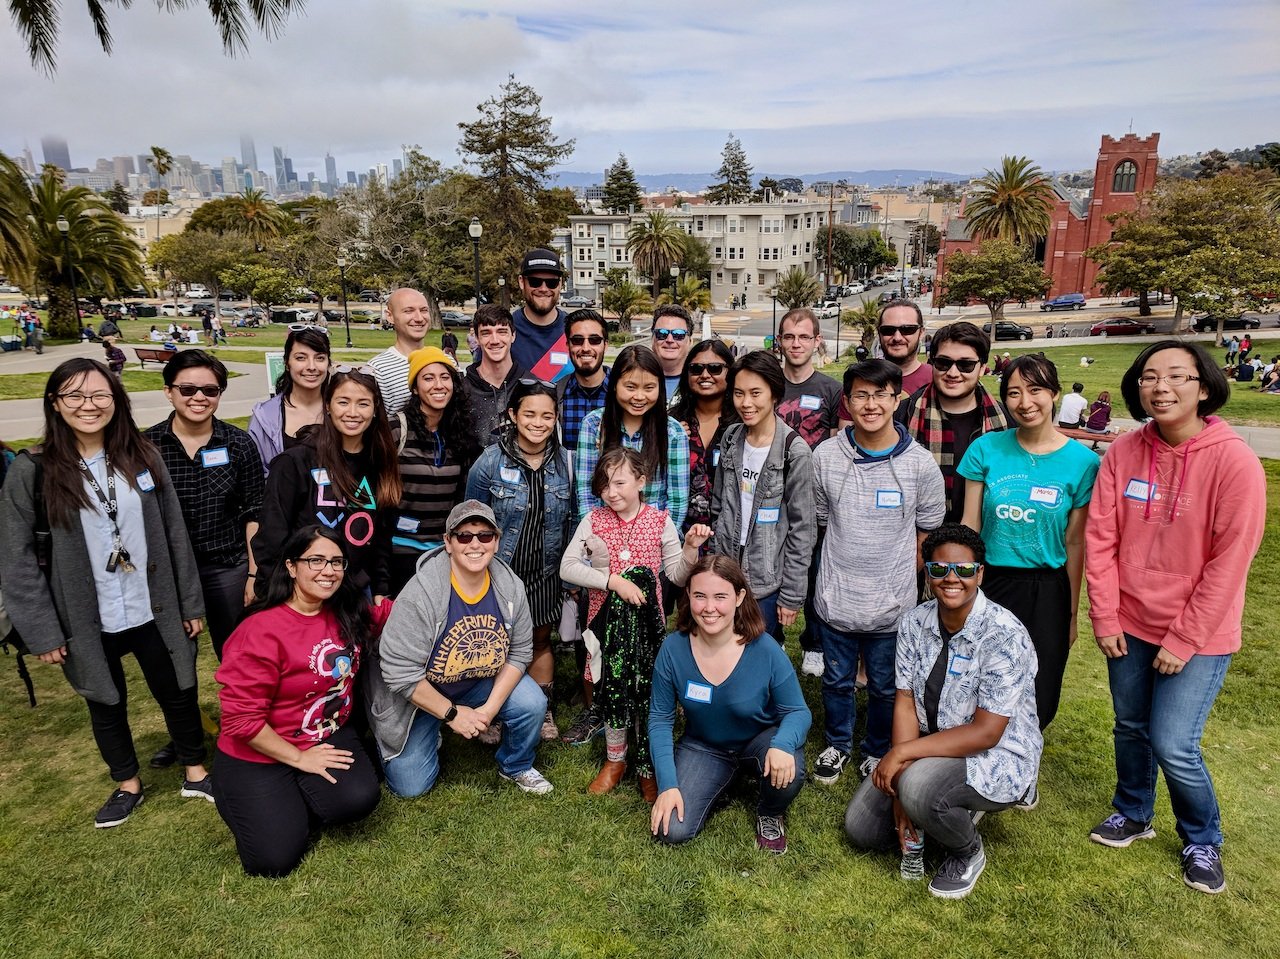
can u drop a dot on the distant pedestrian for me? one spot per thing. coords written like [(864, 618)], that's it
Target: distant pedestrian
[(1233, 350)]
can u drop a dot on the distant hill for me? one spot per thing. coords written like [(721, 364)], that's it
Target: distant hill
[(697, 182)]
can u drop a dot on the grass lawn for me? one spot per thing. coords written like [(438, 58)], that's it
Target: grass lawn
[(29, 386), (477, 869)]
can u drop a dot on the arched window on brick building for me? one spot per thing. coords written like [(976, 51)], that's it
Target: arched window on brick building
[(1126, 178)]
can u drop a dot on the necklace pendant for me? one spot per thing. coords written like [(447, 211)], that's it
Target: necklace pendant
[(625, 555)]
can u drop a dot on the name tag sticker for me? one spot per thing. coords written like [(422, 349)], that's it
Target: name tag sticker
[(698, 692), (1140, 490), (767, 514), (888, 499), (320, 476), (509, 474), (218, 457), (809, 402), (1045, 494), (559, 359), (145, 482), (959, 664), (715, 457), (407, 524)]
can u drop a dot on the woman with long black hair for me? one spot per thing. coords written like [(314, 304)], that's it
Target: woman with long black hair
[(277, 423), (287, 757), (344, 476), (96, 564), (701, 409)]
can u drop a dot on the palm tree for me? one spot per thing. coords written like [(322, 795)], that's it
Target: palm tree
[(257, 217), (16, 249), (655, 243), (797, 288), (1015, 204), (691, 293), (162, 160), (626, 299), (101, 249)]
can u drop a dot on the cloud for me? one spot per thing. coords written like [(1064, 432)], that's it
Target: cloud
[(807, 86)]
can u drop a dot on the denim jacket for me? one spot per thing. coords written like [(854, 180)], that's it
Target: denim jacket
[(497, 479), (782, 529)]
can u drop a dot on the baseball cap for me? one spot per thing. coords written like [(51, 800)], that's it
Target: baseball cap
[(541, 260), (466, 511)]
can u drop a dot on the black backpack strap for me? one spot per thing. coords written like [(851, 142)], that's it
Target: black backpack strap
[(786, 458)]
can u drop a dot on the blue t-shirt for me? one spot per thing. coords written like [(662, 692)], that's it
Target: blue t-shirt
[(542, 350), (1028, 499), (473, 646), (762, 691)]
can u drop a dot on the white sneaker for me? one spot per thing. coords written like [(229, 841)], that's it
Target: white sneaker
[(530, 781), (868, 766), (813, 663)]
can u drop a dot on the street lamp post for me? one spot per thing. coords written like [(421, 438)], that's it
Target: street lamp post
[(502, 292), (476, 230), (675, 275), (346, 314), (64, 227), (774, 297)]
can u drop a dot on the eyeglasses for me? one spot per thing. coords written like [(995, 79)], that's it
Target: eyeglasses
[(907, 329), (318, 563), (344, 368), (715, 369), (595, 339), (665, 334), (944, 363), (797, 337), (1149, 380), (879, 396), (76, 400), (487, 537), (963, 570), (189, 390), (538, 282), (533, 381), (299, 327)]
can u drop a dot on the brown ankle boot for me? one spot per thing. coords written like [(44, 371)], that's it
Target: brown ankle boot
[(649, 789), (607, 779)]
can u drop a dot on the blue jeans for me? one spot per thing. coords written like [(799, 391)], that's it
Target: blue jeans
[(769, 610), (1159, 721), (839, 698), (704, 772), (416, 769)]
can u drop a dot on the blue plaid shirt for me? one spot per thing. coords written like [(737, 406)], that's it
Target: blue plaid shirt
[(669, 492), (576, 403)]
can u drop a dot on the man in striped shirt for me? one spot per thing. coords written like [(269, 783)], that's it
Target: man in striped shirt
[(410, 317)]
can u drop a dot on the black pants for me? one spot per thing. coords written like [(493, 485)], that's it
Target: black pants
[(810, 642), (271, 808), (181, 710), (223, 588), (1041, 599)]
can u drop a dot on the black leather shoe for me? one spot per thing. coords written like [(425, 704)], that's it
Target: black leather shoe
[(165, 756)]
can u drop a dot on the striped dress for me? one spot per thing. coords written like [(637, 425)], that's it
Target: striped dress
[(542, 586), (433, 483)]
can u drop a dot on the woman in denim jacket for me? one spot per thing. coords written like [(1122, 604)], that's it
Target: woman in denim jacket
[(526, 479)]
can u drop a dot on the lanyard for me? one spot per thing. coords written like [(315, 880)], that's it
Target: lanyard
[(119, 557)]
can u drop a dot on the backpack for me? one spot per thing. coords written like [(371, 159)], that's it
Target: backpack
[(13, 641)]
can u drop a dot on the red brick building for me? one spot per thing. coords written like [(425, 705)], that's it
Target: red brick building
[(1125, 168)]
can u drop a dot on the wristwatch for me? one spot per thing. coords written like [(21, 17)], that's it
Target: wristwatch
[(451, 715)]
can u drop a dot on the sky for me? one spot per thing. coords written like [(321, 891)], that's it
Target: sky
[(807, 86)]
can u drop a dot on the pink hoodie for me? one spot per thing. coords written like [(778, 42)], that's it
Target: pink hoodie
[(1171, 533)]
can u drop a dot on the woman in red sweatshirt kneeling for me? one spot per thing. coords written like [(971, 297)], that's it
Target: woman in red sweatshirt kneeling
[(1176, 518), (286, 756)]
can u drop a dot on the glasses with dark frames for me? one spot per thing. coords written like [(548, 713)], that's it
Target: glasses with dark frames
[(317, 563), (344, 368), (578, 339), (940, 570), (487, 537), (715, 369), (907, 329), (75, 400), (538, 282), (189, 390), (944, 364), (662, 333)]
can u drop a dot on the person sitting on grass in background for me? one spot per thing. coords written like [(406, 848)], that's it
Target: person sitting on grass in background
[(966, 739), (743, 710), (288, 758), (1099, 420), (1071, 413), (115, 358)]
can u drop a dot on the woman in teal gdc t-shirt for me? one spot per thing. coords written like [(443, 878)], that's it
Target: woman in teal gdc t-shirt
[(1027, 492)]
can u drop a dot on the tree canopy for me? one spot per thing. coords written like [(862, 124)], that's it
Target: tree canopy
[(996, 272), (621, 190), (733, 183), (1014, 203), (797, 288), (855, 251), (656, 243)]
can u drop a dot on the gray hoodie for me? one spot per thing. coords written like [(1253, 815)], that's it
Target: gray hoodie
[(872, 508)]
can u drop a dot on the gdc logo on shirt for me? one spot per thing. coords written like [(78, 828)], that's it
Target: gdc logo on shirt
[(1016, 513)]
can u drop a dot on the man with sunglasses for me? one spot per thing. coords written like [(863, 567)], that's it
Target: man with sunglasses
[(540, 346), (218, 477), (410, 318), (953, 410), (585, 390), (671, 329)]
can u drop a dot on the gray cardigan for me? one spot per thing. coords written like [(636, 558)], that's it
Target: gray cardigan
[(64, 610), (416, 622)]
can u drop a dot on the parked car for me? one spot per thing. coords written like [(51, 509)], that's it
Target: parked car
[(576, 301), (889, 295), (9, 288), (370, 296), (1153, 297), (1209, 322), (827, 309), (230, 313), (456, 318), (1121, 326), (290, 315), (143, 311), (1067, 301), (852, 289), (179, 309), (231, 295), (1006, 330), (197, 292)]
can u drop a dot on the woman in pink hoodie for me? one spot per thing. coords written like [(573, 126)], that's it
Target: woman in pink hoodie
[(1176, 517)]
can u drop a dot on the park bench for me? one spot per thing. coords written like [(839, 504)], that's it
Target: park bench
[(1093, 439), (155, 355)]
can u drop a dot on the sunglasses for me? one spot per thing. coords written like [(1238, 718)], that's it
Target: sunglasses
[(538, 282), (665, 334), (532, 381), (487, 537), (944, 363), (963, 570), (697, 369), (909, 329), (186, 389), (344, 368), (595, 339), (299, 327)]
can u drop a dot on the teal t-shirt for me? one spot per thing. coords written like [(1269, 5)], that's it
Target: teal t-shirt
[(1028, 499)]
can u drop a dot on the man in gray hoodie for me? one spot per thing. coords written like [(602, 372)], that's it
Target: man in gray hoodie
[(878, 493)]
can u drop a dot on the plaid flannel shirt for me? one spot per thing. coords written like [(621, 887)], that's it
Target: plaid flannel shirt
[(669, 492), (576, 403)]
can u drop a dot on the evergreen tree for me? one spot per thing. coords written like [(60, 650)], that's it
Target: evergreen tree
[(734, 183), (117, 197), (621, 191)]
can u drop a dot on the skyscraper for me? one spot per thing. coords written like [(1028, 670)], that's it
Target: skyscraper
[(122, 167), (248, 154), (282, 180), (56, 152), (330, 170), (290, 177), (397, 168), (230, 182)]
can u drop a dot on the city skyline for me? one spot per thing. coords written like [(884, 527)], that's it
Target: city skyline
[(813, 87)]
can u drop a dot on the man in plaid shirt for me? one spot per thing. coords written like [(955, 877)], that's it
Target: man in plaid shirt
[(585, 390)]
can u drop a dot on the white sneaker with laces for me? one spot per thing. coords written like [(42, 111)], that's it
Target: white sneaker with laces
[(813, 663), (530, 781)]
